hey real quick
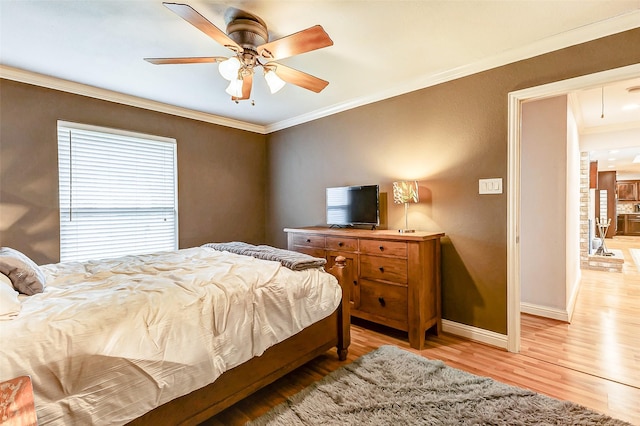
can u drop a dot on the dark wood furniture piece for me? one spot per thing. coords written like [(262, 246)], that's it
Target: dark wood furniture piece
[(397, 276), (621, 225), (629, 224), (627, 190), (245, 379), (632, 225)]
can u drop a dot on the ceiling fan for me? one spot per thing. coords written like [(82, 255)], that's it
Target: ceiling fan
[(248, 38)]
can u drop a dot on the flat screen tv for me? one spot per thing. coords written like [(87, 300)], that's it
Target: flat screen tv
[(353, 205)]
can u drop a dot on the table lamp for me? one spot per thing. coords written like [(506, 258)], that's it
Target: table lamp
[(405, 192)]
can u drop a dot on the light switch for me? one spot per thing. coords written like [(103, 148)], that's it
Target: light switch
[(490, 186)]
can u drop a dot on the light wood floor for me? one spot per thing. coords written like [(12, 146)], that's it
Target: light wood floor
[(594, 361), (603, 338)]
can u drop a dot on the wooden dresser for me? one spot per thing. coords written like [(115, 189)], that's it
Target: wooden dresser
[(397, 280)]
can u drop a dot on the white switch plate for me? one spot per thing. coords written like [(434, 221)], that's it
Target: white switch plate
[(490, 186)]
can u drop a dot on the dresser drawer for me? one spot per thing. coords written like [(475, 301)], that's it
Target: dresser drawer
[(309, 240), (343, 244), (383, 268), (387, 248), (384, 300)]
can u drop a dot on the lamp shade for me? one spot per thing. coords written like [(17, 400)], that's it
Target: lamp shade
[(274, 82), (229, 68), (405, 192), (235, 88)]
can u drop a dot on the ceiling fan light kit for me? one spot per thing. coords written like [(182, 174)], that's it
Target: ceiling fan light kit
[(229, 69), (248, 38), (235, 88), (274, 82)]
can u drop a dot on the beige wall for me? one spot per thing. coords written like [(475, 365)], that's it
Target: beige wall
[(221, 171), (447, 136)]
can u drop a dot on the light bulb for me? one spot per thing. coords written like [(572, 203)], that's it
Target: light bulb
[(274, 82), (229, 68), (235, 88)]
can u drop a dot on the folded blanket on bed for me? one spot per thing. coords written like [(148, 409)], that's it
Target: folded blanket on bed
[(290, 259)]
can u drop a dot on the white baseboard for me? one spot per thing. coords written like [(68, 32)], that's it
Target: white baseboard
[(571, 306), (474, 333), (544, 311)]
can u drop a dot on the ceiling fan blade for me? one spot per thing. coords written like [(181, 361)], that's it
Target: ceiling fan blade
[(247, 82), (299, 78), (189, 14), (190, 60), (304, 41)]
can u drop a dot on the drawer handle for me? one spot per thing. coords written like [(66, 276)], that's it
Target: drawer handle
[(381, 269), (308, 240), (381, 301), (381, 248), (340, 244), (355, 282)]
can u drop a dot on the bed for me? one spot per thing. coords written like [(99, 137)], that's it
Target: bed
[(169, 338)]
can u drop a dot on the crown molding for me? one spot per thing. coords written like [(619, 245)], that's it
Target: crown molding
[(579, 35), (610, 128), (55, 83), (573, 37)]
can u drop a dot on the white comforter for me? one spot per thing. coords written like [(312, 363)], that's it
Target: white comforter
[(108, 341)]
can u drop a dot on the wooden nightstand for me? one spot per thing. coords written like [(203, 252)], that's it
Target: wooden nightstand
[(397, 280), (17, 406)]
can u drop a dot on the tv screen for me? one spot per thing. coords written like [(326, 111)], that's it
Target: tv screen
[(353, 205)]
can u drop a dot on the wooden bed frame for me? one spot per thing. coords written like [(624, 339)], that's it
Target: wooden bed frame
[(243, 380)]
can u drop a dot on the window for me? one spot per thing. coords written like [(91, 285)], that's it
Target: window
[(118, 193)]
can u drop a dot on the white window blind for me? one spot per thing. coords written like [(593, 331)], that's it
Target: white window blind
[(118, 193)]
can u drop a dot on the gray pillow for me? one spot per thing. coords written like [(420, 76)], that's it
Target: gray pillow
[(24, 274)]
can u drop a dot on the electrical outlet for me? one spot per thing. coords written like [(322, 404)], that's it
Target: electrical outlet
[(490, 186)]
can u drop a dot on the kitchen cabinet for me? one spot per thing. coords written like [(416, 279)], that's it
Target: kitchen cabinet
[(621, 225), (632, 224), (628, 224), (627, 190)]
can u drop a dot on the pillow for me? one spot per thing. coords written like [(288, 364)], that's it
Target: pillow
[(24, 274), (5, 279), (9, 302)]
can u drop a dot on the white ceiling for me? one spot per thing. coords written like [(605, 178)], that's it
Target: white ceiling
[(381, 48), (609, 119), (613, 107), (619, 160)]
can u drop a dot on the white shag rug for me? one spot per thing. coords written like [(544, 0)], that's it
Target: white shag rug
[(391, 386)]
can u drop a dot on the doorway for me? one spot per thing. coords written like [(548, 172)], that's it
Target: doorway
[(514, 260), (599, 341)]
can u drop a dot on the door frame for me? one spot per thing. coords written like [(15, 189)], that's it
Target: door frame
[(515, 100)]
